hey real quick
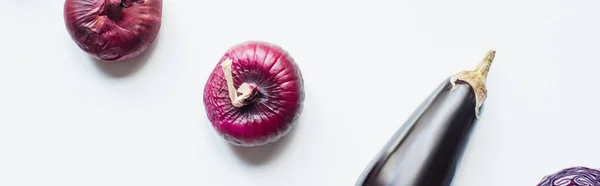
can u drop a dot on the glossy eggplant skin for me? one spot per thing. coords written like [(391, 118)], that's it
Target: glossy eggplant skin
[(426, 149)]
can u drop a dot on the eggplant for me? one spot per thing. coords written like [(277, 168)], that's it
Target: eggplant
[(425, 151)]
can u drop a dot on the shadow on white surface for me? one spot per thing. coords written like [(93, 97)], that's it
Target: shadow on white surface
[(262, 155), (128, 67)]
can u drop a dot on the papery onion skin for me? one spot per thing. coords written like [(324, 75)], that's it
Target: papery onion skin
[(574, 176), (267, 116), (113, 30)]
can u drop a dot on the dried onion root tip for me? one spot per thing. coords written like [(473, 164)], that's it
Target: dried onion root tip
[(247, 91)]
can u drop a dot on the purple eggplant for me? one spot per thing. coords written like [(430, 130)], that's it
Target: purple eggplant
[(426, 149)]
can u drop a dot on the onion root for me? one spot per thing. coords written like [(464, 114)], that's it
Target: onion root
[(246, 90)]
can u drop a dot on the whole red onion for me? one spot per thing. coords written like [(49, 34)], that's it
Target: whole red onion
[(573, 176), (113, 30), (254, 94)]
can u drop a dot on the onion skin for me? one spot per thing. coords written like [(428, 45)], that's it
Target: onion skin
[(574, 176), (273, 106), (113, 30), (426, 149)]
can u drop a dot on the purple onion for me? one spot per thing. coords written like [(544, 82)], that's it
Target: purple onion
[(575, 176), (254, 94), (113, 30)]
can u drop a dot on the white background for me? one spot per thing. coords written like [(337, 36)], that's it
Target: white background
[(67, 120)]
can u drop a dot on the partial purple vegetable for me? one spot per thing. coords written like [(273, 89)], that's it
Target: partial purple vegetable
[(426, 148), (574, 176), (113, 30), (254, 94)]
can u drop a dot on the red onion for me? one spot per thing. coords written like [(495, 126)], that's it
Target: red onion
[(254, 94), (113, 30), (573, 176)]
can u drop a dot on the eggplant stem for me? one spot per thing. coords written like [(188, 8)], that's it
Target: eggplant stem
[(483, 67), (245, 89), (476, 78)]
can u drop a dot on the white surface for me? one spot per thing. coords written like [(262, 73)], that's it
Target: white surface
[(67, 120)]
